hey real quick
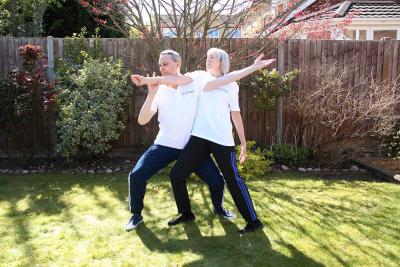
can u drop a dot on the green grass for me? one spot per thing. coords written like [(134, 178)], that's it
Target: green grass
[(77, 220)]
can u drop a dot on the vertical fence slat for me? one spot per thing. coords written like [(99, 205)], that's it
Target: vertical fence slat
[(279, 107), (395, 60)]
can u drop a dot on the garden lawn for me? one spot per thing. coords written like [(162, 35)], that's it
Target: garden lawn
[(78, 220)]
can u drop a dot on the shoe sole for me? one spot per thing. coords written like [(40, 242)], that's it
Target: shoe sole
[(134, 227), (242, 231), (183, 221), (228, 218)]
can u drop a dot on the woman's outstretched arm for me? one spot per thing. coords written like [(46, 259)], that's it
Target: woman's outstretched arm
[(170, 80), (233, 76), (176, 80)]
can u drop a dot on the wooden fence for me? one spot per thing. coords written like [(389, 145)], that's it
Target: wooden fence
[(378, 59)]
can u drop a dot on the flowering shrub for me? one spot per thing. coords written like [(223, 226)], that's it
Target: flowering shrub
[(258, 162), (26, 104)]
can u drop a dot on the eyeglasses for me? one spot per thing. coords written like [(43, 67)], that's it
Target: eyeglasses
[(170, 53)]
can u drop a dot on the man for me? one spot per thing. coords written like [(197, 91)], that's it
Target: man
[(176, 109)]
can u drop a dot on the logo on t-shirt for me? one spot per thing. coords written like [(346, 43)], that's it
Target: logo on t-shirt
[(222, 89), (187, 92)]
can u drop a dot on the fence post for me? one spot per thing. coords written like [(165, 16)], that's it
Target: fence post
[(51, 77), (50, 57), (279, 104)]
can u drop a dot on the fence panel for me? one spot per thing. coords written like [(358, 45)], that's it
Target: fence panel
[(371, 59)]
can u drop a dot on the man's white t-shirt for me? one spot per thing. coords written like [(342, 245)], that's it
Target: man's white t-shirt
[(176, 112), (213, 118)]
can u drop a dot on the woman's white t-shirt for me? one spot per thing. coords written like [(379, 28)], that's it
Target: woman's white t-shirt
[(176, 112), (213, 118)]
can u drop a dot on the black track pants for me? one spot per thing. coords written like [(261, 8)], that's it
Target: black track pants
[(195, 152)]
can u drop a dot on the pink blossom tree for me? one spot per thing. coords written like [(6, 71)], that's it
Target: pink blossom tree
[(191, 23)]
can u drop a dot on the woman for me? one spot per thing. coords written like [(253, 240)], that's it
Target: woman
[(212, 133)]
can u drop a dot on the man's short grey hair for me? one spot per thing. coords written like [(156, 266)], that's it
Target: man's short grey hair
[(174, 55), (223, 59)]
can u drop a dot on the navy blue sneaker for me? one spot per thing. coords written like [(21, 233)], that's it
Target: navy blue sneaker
[(134, 222), (252, 226), (225, 213)]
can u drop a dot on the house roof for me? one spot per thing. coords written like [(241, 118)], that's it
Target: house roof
[(356, 9), (376, 9)]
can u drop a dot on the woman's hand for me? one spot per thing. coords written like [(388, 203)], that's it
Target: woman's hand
[(152, 87), (137, 80), (243, 154), (259, 63)]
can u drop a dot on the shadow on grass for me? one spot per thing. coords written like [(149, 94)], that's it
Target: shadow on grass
[(22, 234), (44, 196), (329, 217), (252, 249), (44, 193)]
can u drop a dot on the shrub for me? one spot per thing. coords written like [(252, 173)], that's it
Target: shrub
[(76, 51), (335, 110), (92, 95), (290, 155), (90, 104), (258, 161), (391, 142), (167, 170), (26, 104), (269, 86)]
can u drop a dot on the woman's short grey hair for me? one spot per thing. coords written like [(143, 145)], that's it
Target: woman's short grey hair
[(223, 59), (174, 55)]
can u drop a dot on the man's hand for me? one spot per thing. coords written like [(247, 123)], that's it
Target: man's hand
[(259, 63), (243, 154)]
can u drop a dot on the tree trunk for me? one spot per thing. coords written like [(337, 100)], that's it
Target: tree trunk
[(38, 19), (13, 18)]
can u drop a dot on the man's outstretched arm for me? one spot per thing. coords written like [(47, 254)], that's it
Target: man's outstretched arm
[(146, 113)]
